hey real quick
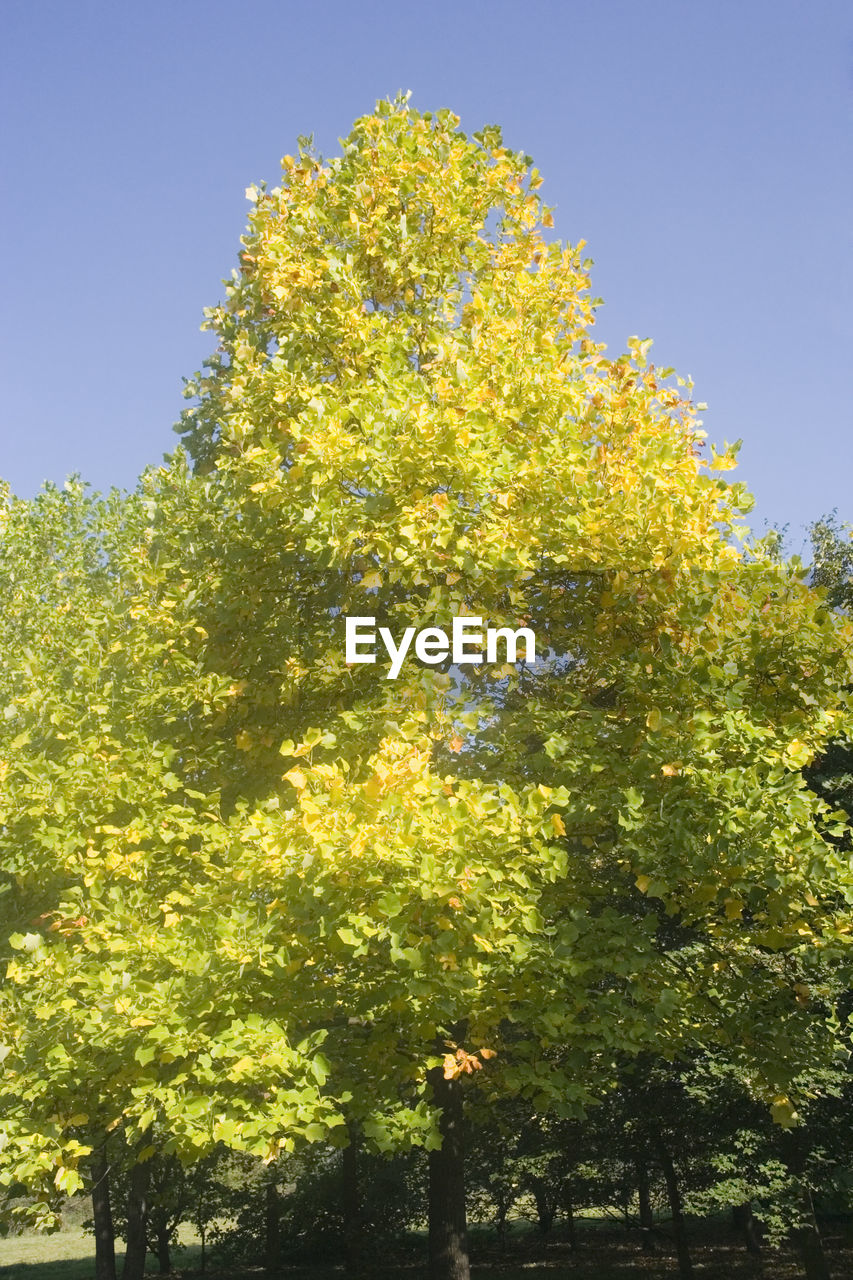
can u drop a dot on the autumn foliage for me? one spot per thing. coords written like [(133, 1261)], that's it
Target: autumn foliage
[(253, 895)]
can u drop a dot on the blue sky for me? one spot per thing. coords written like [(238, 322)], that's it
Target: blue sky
[(703, 151)]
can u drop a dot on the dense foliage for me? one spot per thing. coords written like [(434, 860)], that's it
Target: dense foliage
[(260, 899)]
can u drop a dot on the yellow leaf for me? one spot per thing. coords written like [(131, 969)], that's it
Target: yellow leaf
[(643, 882), (797, 753), (558, 824), (296, 778), (783, 1112), (654, 719)]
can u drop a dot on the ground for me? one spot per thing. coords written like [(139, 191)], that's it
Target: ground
[(610, 1255)]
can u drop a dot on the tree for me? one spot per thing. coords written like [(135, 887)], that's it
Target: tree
[(503, 876), (115, 1012), (405, 389)]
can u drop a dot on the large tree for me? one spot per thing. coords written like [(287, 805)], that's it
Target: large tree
[(607, 851), (406, 389)]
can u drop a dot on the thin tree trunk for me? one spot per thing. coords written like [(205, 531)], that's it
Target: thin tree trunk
[(647, 1219), (809, 1243), (685, 1264), (105, 1249), (743, 1220), (351, 1203), (164, 1255), (570, 1224), (200, 1219), (272, 1230), (500, 1223), (137, 1222), (448, 1231)]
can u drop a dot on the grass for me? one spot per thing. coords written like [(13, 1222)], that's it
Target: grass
[(605, 1255), (70, 1255), (37, 1255)]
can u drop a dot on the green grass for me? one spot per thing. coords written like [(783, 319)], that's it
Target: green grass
[(69, 1255), (36, 1255)]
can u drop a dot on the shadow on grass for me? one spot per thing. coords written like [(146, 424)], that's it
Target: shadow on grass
[(603, 1256)]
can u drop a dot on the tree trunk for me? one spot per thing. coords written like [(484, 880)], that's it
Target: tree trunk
[(105, 1249), (569, 1210), (200, 1219), (546, 1210), (351, 1203), (647, 1218), (164, 1255), (137, 1222), (448, 1232), (809, 1243), (743, 1220), (685, 1264), (500, 1222), (272, 1230)]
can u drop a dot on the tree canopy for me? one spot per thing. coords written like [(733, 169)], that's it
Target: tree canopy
[(255, 894)]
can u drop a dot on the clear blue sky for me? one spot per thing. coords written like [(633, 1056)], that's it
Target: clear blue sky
[(703, 151)]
